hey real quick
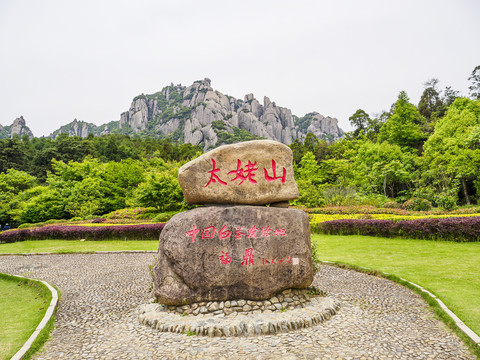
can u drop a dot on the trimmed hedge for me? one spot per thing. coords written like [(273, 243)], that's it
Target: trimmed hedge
[(66, 232), (460, 229)]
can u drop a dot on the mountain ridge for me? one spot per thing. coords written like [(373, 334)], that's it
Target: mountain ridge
[(200, 115)]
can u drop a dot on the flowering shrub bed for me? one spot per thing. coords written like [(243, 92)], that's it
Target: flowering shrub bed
[(128, 232), (316, 219), (348, 210), (459, 229)]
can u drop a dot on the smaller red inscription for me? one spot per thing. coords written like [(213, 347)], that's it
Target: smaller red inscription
[(252, 232), (225, 259), (208, 233), (280, 232), (248, 257), (266, 231), (239, 233), (192, 233), (224, 233)]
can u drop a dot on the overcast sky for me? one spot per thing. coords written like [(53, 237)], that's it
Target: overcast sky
[(61, 60)]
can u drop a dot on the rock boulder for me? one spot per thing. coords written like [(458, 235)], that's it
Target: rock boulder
[(232, 252), (254, 172)]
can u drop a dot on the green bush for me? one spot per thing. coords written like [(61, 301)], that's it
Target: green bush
[(392, 205), (310, 195), (164, 217), (417, 204), (446, 201)]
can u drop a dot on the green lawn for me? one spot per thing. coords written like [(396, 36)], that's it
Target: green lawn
[(23, 304), (448, 269), (66, 246)]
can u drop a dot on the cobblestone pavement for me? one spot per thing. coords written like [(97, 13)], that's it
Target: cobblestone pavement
[(97, 318)]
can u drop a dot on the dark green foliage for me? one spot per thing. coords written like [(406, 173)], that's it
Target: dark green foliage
[(237, 136), (304, 122), (219, 125), (360, 120)]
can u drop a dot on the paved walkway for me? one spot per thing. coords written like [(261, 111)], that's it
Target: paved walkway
[(96, 318)]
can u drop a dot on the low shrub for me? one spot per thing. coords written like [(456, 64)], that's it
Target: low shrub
[(392, 205), (417, 204), (98, 220), (135, 213), (460, 229), (164, 217), (71, 232)]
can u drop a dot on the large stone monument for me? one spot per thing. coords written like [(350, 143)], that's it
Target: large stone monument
[(243, 243)]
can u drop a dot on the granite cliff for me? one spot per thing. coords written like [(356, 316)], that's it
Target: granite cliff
[(18, 127), (200, 115)]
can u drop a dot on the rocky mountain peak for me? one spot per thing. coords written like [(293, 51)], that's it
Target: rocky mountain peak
[(19, 127), (76, 128), (200, 115)]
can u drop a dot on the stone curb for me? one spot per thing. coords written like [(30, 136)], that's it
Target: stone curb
[(83, 253), (317, 311), (459, 323), (48, 315)]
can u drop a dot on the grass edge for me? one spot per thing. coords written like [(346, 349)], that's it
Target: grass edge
[(44, 335), (440, 314)]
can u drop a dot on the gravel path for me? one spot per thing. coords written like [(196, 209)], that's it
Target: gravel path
[(97, 318)]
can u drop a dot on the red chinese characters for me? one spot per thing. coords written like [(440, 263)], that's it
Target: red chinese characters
[(274, 171), (224, 233), (192, 233), (252, 232), (225, 258), (239, 233), (210, 232), (246, 173), (213, 176), (248, 257), (287, 260), (266, 231)]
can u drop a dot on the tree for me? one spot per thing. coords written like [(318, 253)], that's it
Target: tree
[(430, 101), (403, 127), (38, 204), (161, 191), (454, 147), (308, 180), (475, 79), (360, 120), (449, 96), (383, 168)]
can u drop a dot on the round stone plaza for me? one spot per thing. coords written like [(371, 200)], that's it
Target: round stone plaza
[(101, 294)]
